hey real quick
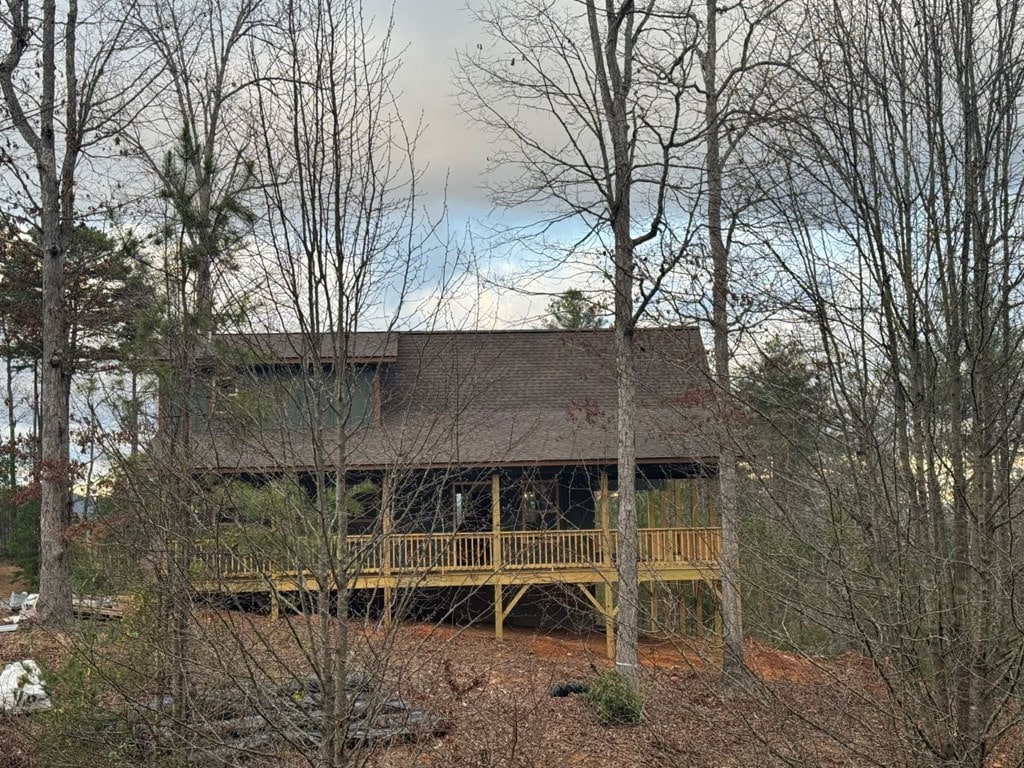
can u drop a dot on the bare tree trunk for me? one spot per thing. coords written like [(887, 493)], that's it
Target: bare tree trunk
[(36, 418), (11, 458), (56, 165), (611, 165), (338, 712), (732, 624), (54, 607), (628, 555), (613, 55)]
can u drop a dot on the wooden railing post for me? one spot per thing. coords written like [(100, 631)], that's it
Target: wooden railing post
[(606, 523), (496, 522)]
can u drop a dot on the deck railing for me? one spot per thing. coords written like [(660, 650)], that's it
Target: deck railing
[(420, 553)]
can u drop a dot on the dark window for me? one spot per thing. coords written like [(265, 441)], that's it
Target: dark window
[(538, 503)]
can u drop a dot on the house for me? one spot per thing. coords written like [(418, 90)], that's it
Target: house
[(490, 459)]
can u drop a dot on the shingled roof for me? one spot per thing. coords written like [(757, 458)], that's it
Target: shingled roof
[(363, 347), (504, 398)]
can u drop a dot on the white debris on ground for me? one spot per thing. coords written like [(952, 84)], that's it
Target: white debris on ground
[(21, 605), (22, 601), (22, 689)]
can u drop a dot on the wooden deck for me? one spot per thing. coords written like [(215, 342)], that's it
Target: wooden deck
[(509, 562), (474, 559)]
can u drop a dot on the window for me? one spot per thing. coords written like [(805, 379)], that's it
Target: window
[(538, 507), (215, 400), (306, 393), (471, 506), (283, 396)]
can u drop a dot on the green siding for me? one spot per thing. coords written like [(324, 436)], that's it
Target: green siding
[(282, 396)]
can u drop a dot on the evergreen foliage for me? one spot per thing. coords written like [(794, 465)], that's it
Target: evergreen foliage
[(614, 700), (574, 311)]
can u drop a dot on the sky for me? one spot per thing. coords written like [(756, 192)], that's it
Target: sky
[(506, 289), (430, 32)]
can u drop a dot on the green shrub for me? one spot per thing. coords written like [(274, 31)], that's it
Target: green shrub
[(86, 726), (616, 703), (24, 543)]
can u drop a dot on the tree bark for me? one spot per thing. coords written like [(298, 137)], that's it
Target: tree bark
[(732, 624), (627, 562), (11, 459), (12, 422), (614, 73), (57, 210), (54, 606)]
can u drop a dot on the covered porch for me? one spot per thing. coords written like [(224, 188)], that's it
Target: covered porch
[(387, 558), (675, 559)]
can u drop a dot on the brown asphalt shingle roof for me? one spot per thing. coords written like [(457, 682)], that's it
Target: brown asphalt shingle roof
[(365, 346), (495, 398)]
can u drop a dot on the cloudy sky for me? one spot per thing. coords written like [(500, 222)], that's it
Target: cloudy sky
[(509, 289), (430, 32)]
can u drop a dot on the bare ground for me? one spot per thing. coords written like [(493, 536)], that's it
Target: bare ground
[(495, 697), (10, 581), (793, 710)]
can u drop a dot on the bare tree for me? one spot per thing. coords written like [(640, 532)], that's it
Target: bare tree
[(732, 624), (197, 163), (8, 234), (739, 51), (342, 242), (898, 156), (591, 104), (58, 111)]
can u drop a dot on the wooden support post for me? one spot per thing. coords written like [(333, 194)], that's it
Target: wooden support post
[(607, 610), (499, 607), (499, 612), (609, 620), (719, 629), (275, 604), (606, 522), (698, 608), (607, 543), (655, 591), (496, 522), (387, 525)]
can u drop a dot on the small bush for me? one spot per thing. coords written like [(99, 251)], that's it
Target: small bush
[(616, 703), (24, 542), (85, 726)]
